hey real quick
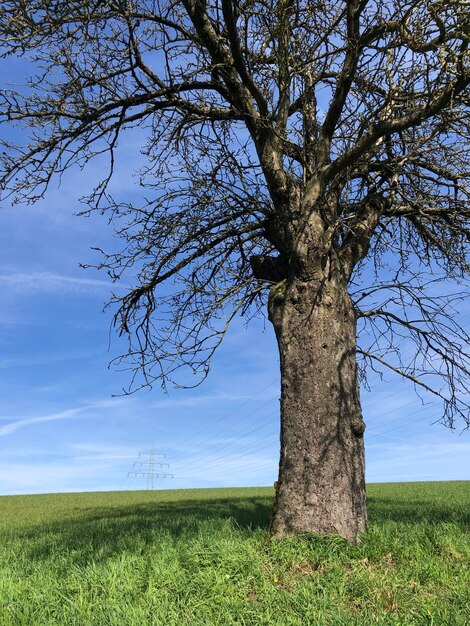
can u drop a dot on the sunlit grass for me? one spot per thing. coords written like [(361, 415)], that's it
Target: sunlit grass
[(203, 557)]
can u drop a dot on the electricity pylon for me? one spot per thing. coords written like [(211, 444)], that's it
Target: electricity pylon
[(148, 467)]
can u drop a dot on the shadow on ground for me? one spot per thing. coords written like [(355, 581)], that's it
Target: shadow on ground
[(97, 533), (381, 509)]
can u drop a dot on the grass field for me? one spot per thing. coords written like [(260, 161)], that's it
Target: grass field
[(202, 557)]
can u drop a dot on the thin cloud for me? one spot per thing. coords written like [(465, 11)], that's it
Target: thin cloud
[(50, 282), (18, 424), (100, 450), (104, 457), (13, 426), (420, 461), (44, 359), (46, 477)]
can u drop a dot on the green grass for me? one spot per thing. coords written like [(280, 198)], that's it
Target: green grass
[(203, 557)]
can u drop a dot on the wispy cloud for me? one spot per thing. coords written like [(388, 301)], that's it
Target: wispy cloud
[(59, 470), (18, 424), (407, 452), (91, 446), (23, 423), (47, 282), (104, 457), (420, 461), (45, 359), (100, 451), (47, 476)]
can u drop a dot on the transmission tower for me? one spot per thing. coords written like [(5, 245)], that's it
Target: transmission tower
[(147, 467)]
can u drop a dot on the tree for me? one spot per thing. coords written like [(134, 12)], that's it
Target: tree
[(290, 146)]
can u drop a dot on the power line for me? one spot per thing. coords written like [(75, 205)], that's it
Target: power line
[(234, 456), (235, 410), (240, 435), (422, 419)]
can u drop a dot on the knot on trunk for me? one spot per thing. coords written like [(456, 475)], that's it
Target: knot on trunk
[(358, 426)]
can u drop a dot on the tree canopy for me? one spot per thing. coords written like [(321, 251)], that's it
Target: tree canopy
[(273, 128)]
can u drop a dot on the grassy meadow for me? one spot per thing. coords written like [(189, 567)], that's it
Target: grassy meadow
[(203, 557)]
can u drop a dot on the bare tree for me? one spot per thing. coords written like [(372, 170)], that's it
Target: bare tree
[(311, 156)]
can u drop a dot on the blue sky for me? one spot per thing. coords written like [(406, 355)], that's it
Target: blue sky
[(61, 429)]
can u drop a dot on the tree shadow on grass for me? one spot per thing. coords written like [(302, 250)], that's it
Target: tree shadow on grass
[(98, 533), (381, 509)]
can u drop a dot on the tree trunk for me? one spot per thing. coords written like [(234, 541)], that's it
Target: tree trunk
[(321, 485)]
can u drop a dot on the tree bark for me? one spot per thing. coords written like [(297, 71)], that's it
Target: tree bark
[(321, 485)]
